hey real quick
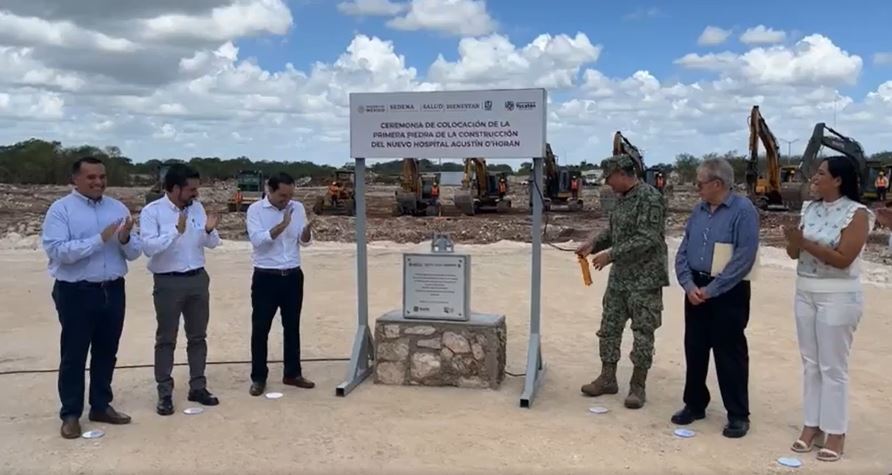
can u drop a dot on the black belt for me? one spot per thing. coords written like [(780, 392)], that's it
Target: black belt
[(188, 273), (94, 285), (279, 272), (701, 275)]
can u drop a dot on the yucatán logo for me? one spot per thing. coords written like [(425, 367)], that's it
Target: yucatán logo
[(525, 106), (509, 105)]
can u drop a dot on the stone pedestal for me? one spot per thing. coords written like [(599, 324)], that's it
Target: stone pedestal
[(440, 353)]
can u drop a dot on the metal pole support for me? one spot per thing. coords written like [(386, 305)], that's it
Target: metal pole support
[(363, 354), (535, 366)]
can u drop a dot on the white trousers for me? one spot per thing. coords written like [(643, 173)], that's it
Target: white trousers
[(825, 324)]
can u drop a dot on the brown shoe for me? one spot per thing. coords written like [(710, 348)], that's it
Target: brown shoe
[(604, 384), (300, 382), (110, 416), (71, 428)]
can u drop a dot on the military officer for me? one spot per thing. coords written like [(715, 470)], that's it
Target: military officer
[(634, 243)]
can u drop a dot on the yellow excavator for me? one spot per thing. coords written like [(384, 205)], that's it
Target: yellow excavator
[(562, 187), (481, 190), (780, 191), (419, 194)]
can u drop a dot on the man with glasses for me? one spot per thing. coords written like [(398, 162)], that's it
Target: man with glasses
[(635, 244), (724, 228)]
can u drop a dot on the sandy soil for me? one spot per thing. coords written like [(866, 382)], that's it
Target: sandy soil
[(381, 429)]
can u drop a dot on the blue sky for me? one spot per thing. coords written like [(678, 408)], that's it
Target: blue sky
[(178, 79), (635, 34)]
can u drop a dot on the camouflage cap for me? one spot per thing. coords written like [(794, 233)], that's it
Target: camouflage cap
[(617, 163)]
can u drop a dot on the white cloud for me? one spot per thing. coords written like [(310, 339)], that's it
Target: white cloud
[(760, 35), (882, 59), (813, 60), (198, 94), (493, 61), (454, 17), (371, 7), (242, 18), (33, 31), (712, 36)]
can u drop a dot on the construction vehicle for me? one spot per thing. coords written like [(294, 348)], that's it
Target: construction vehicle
[(622, 146), (482, 191), (157, 190), (419, 194), (338, 197), (562, 187), (780, 191), (844, 145), (249, 189)]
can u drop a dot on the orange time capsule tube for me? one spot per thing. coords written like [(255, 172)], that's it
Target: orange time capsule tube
[(586, 272)]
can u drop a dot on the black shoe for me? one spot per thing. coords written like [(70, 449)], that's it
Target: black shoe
[(71, 428), (110, 416), (165, 406), (736, 428), (257, 388), (203, 396), (299, 381), (687, 415)]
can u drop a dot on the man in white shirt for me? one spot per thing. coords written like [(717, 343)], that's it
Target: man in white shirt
[(174, 231), (277, 227), (87, 238)]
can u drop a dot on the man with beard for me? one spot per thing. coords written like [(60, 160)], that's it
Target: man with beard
[(86, 236), (175, 230), (635, 244)]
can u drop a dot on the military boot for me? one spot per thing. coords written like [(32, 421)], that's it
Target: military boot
[(636, 397), (605, 384)]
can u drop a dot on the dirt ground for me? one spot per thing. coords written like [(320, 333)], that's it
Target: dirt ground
[(22, 209), (416, 430)]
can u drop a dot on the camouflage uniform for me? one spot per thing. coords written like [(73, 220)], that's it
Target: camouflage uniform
[(635, 240)]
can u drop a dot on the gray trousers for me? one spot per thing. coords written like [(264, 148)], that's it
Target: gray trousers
[(187, 296)]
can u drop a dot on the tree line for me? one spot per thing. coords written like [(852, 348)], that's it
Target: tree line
[(38, 161)]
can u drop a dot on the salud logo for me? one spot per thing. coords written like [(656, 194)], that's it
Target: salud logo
[(509, 105), (487, 105)]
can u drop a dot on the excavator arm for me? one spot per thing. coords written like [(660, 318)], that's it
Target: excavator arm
[(622, 146), (410, 176), (477, 166), (759, 131), (551, 168), (836, 141)]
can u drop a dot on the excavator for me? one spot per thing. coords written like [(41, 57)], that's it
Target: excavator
[(419, 194), (481, 190), (561, 186), (339, 196), (844, 145), (622, 146), (779, 190), (249, 189)]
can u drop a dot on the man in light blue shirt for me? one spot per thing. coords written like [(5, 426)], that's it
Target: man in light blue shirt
[(717, 303), (88, 239)]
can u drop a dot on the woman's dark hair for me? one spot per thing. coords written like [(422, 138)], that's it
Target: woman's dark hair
[(849, 173)]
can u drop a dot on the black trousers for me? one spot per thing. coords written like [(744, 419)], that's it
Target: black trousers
[(92, 319), (718, 325), (271, 292)]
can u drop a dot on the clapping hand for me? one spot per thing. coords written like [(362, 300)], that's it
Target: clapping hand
[(124, 232), (213, 220), (109, 230), (793, 235)]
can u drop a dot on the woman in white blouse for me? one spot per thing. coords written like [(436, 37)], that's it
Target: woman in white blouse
[(829, 303)]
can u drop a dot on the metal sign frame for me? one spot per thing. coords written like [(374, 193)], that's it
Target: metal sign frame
[(363, 354)]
